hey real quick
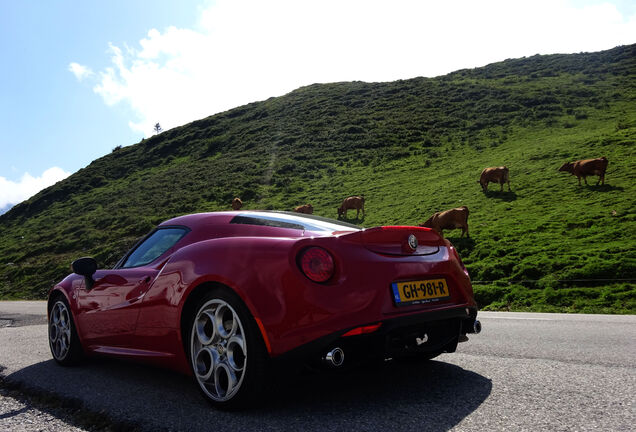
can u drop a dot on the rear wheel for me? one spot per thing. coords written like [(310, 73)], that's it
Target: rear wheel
[(63, 340), (227, 354)]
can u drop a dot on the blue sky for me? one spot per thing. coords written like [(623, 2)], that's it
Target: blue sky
[(79, 78), (47, 118)]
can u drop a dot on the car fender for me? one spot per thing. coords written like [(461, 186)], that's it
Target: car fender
[(254, 268), (66, 288)]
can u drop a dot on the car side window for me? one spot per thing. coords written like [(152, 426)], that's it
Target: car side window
[(154, 246)]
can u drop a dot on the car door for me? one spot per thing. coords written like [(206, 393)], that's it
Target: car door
[(108, 310)]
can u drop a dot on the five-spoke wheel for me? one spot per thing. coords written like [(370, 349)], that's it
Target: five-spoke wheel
[(222, 340), (219, 352), (63, 339)]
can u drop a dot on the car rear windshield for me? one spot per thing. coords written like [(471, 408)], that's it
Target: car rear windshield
[(293, 221)]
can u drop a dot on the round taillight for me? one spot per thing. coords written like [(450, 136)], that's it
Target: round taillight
[(317, 264)]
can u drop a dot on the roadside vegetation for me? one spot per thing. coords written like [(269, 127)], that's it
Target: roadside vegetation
[(411, 147)]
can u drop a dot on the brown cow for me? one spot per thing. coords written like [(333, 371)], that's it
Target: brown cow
[(449, 219), (351, 203), (307, 209), (587, 167), (237, 204), (494, 175)]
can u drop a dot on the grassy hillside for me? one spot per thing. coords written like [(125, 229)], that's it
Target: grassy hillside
[(411, 147)]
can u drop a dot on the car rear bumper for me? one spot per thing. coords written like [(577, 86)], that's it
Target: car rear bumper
[(428, 332)]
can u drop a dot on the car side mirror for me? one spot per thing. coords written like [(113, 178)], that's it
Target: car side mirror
[(86, 267)]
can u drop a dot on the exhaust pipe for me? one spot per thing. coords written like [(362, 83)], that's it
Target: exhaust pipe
[(476, 327), (335, 357)]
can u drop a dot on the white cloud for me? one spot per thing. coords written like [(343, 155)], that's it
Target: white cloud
[(15, 192), (80, 71), (249, 50)]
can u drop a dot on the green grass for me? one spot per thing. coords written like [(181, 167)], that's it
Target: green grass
[(553, 297), (411, 147)]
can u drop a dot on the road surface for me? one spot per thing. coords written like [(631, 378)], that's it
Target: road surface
[(525, 371)]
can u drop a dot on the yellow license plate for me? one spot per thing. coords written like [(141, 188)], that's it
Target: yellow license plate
[(420, 291)]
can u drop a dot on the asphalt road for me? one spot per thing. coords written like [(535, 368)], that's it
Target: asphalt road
[(523, 372)]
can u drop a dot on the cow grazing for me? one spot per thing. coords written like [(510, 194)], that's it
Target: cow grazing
[(237, 204), (494, 175), (587, 167), (351, 203), (449, 219), (307, 209)]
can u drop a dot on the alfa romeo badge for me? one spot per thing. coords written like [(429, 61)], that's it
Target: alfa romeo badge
[(412, 242)]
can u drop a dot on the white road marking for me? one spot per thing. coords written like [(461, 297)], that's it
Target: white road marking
[(520, 318)]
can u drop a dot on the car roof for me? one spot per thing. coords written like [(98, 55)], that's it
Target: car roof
[(197, 220)]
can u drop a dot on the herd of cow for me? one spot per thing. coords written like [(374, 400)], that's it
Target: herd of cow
[(458, 217)]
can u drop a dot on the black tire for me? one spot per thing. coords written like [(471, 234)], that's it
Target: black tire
[(227, 354), (63, 340)]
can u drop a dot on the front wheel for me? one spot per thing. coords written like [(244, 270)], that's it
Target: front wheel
[(63, 340), (226, 351)]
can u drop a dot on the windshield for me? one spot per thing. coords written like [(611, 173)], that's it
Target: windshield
[(154, 246)]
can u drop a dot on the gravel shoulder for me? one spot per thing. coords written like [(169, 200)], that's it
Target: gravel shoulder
[(20, 413)]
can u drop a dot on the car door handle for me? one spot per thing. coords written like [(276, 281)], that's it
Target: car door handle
[(140, 289)]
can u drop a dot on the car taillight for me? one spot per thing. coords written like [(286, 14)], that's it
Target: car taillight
[(317, 264)]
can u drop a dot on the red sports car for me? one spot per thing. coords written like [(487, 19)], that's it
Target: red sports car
[(222, 296)]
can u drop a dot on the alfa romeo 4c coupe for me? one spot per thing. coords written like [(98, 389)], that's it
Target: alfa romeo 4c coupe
[(224, 296)]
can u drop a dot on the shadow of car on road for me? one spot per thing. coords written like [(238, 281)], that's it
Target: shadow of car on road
[(430, 395)]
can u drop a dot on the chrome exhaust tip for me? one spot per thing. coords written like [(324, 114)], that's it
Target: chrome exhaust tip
[(476, 327), (335, 357)]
